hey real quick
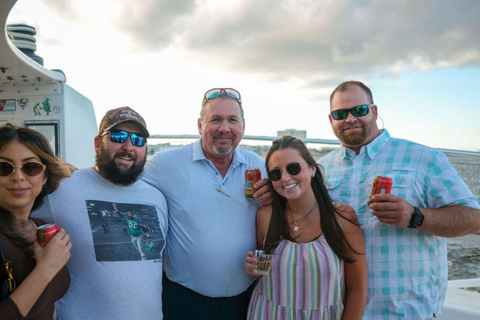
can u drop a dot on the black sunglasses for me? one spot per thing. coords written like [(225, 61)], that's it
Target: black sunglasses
[(120, 136), (217, 92), (293, 169), (357, 111), (29, 168)]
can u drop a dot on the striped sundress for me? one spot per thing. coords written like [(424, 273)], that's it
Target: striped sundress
[(306, 282)]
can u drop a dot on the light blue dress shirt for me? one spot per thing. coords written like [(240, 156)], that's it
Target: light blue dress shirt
[(210, 231), (407, 268)]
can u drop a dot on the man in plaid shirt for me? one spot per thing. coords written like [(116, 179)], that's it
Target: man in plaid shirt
[(404, 231)]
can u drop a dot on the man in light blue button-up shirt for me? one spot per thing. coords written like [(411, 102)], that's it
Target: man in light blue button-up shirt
[(212, 222), (404, 231)]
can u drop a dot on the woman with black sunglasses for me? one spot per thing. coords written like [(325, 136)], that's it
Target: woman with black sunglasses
[(34, 276), (319, 269)]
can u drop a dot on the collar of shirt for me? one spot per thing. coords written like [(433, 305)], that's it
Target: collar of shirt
[(372, 148)]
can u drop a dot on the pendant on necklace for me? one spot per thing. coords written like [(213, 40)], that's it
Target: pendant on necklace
[(305, 216)]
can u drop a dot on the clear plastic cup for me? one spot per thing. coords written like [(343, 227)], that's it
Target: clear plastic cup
[(264, 262)]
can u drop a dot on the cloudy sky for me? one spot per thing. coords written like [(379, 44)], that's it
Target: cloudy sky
[(420, 58)]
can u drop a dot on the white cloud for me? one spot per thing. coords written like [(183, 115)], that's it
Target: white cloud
[(161, 55)]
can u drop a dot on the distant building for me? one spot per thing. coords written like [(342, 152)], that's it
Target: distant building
[(292, 132)]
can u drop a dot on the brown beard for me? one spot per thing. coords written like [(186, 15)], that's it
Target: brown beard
[(359, 138), (354, 139)]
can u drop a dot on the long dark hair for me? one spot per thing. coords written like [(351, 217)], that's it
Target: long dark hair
[(55, 171), (279, 228)]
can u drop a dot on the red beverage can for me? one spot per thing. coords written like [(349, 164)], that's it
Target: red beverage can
[(381, 185), (252, 176), (46, 232)]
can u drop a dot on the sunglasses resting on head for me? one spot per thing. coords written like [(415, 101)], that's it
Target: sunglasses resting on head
[(293, 169), (221, 92), (120, 136), (357, 111), (31, 168)]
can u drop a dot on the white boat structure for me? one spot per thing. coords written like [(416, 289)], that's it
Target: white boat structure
[(36, 97)]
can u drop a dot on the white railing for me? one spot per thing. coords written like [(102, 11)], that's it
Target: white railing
[(257, 138), (464, 283), (306, 140)]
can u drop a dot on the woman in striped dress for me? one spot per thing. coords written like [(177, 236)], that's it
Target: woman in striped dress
[(319, 269)]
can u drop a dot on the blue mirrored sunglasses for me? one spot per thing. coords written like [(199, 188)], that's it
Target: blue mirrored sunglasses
[(120, 136), (221, 92), (357, 111)]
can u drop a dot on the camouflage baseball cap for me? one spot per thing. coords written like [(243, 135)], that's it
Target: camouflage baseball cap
[(120, 115)]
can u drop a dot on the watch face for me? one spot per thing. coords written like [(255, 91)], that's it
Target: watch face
[(417, 219)]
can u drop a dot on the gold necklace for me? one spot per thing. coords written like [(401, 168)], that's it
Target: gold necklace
[(297, 222)]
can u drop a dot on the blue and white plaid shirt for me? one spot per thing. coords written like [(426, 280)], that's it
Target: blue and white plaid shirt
[(407, 268)]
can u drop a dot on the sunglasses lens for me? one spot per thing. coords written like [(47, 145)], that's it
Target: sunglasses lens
[(359, 111), (32, 168), (118, 136), (340, 114), (212, 94), (122, 136), (137, 141), (5, 169), (294, 168), (274, 174), (233, 93)]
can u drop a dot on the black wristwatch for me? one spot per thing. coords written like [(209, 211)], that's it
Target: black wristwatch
[(417, 218)]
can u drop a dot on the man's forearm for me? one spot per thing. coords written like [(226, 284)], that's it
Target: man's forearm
[(452, 221)]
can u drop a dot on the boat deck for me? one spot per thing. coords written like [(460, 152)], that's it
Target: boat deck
[(461, 304)]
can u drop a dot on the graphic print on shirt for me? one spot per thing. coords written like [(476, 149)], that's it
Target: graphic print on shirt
[(125, 231)]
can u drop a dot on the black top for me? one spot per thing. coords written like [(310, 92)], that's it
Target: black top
[(22, 265)]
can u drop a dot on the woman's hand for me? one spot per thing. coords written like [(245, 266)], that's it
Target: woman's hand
[(51, 258), (251, 264)]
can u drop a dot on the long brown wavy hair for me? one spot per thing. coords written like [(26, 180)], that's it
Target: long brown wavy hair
[(54, 172), (279, 228)]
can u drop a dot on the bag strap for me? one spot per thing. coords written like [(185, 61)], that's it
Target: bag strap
[(3, 253), (9, 284)]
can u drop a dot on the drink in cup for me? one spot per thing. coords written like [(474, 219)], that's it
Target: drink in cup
[(45, 233), (264, 262)]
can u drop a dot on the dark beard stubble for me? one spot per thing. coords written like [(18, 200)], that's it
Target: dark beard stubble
[(113, 173)]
